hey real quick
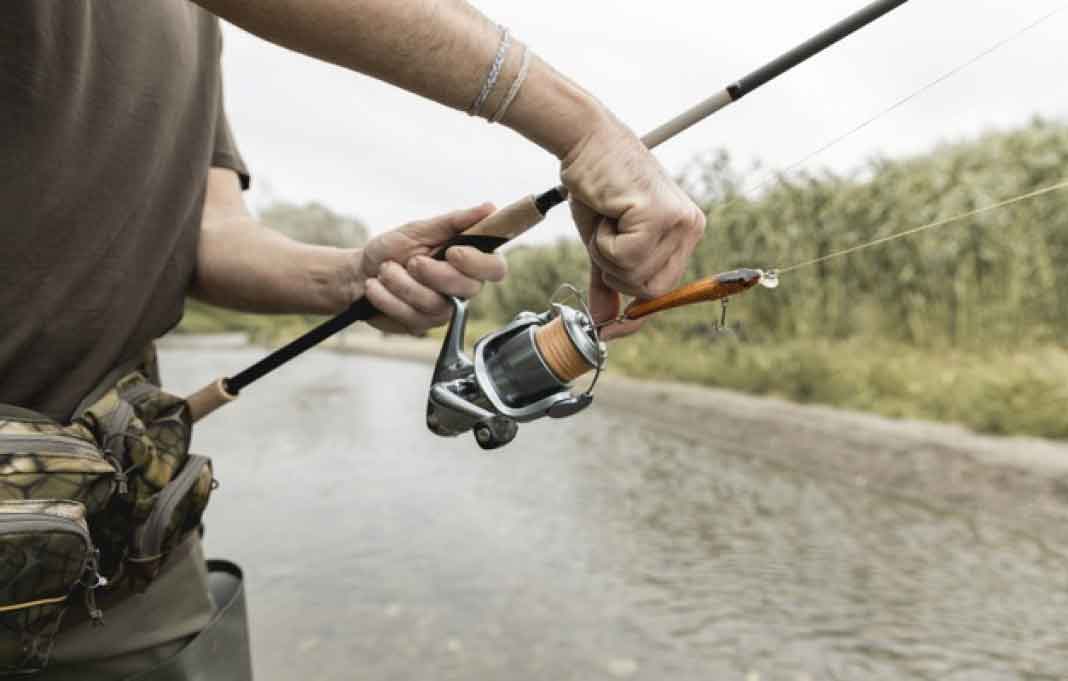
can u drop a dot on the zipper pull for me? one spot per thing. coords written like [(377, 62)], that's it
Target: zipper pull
[(120, 475), (96, 615), (97, 580)]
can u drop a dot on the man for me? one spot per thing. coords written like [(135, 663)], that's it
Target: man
[(120, 185)]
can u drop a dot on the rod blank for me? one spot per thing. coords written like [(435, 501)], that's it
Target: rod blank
[(812, 47)]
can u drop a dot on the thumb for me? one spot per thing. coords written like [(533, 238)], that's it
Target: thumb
[(604, 302), (438, 230)]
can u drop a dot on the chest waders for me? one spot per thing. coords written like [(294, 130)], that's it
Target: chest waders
[(221, 650)]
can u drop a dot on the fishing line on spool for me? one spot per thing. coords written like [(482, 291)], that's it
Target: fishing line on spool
[(563, 293)]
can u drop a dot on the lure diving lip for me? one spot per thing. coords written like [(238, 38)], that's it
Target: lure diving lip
[(716, 287)]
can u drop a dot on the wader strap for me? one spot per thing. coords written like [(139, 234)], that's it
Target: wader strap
[(221, 650)]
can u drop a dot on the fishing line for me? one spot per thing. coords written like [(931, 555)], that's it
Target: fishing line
[(771, 177), (931, 225)]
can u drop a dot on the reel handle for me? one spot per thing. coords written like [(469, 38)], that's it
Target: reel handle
[(715, 287)]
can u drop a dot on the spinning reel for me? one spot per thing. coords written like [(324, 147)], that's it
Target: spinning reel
[(520, 373)]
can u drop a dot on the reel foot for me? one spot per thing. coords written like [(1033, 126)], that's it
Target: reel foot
[(495, 432)]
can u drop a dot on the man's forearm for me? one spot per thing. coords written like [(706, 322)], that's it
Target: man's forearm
[(440, 49), (245, 266)]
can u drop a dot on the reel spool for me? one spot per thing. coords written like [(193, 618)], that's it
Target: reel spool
[(520, 373)]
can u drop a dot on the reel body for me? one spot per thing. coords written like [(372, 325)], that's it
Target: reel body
[(521, 373)]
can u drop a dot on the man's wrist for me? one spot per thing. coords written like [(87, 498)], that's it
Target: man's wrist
[(554, 112), (347, 282)]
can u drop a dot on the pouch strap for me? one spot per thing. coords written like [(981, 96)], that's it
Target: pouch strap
[(32, 604)]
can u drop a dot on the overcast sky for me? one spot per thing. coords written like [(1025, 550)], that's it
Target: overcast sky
[(314, 132)]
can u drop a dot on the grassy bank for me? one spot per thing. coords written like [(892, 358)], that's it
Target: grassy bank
[(1018, 392)]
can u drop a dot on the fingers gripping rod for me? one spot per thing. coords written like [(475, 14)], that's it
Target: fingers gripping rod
[(516, 218)]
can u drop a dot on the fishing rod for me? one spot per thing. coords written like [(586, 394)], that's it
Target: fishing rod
[(574, 326)]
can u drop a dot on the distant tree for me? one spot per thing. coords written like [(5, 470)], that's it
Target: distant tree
[(314, 223)]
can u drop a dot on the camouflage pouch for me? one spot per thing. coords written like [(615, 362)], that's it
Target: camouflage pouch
[(162, 490), (51, 477), (45, 553), (110, 493), (41, 459)]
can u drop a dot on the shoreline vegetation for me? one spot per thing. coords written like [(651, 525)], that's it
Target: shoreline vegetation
[(965, 324)]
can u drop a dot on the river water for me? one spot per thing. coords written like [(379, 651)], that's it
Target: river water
[(599, 547)]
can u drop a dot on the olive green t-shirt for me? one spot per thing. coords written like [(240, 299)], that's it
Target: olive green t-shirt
[(111, 114)]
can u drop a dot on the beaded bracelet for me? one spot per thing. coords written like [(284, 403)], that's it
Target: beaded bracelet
[(494, 73)]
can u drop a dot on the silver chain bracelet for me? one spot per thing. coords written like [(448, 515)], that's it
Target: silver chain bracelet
[(493, 75)]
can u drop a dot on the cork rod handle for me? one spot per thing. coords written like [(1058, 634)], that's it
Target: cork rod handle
[(208, 399), (510, 221)]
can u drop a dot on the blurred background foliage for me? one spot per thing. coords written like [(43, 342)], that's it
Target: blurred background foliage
[(1001, 276), (964, 323), (314, 223)]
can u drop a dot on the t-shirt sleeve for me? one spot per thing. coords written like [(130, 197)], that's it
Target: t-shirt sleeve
[(226, 153)]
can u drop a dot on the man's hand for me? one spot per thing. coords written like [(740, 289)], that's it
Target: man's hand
[(399, 277), (244, 265), (639, 227)]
